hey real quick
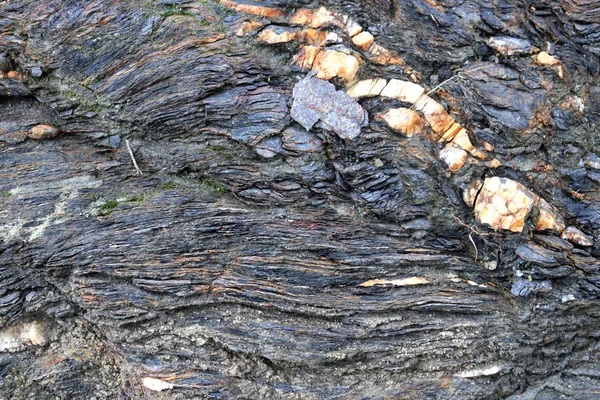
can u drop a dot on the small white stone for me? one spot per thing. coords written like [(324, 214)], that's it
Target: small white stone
[(18, 337), (366, 88), (413, 280), (493, 370), (491, 265), (363, 40), (567, 297), (403, 120), (156, 385), (332, 37), (504, 204), (544, 58)]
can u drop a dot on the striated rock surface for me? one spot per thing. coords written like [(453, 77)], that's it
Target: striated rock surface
[(212, 223)]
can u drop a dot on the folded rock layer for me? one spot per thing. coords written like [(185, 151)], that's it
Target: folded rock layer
[(285, 200)]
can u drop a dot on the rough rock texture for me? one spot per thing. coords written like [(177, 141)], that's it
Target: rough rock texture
[(254, 258), (503, 204), (317, 100)]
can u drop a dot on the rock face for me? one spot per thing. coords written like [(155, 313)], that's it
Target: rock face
[(317, 100), (280, 244)]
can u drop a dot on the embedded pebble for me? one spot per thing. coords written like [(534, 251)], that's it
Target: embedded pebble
[(43, 132), (156, 385), (19, 337), (363, 40), (454, 157)]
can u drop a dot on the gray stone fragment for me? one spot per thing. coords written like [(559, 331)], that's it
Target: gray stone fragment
[(508, 46), (13, 88), (36, 71), (537, 254), (594, 176), (592, 161), (299, 140), (554, 242), (524, 287), (114, 141), (316, 99), (269, 147)]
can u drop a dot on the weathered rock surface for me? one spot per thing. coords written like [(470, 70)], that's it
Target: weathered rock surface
[(254, 258)]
